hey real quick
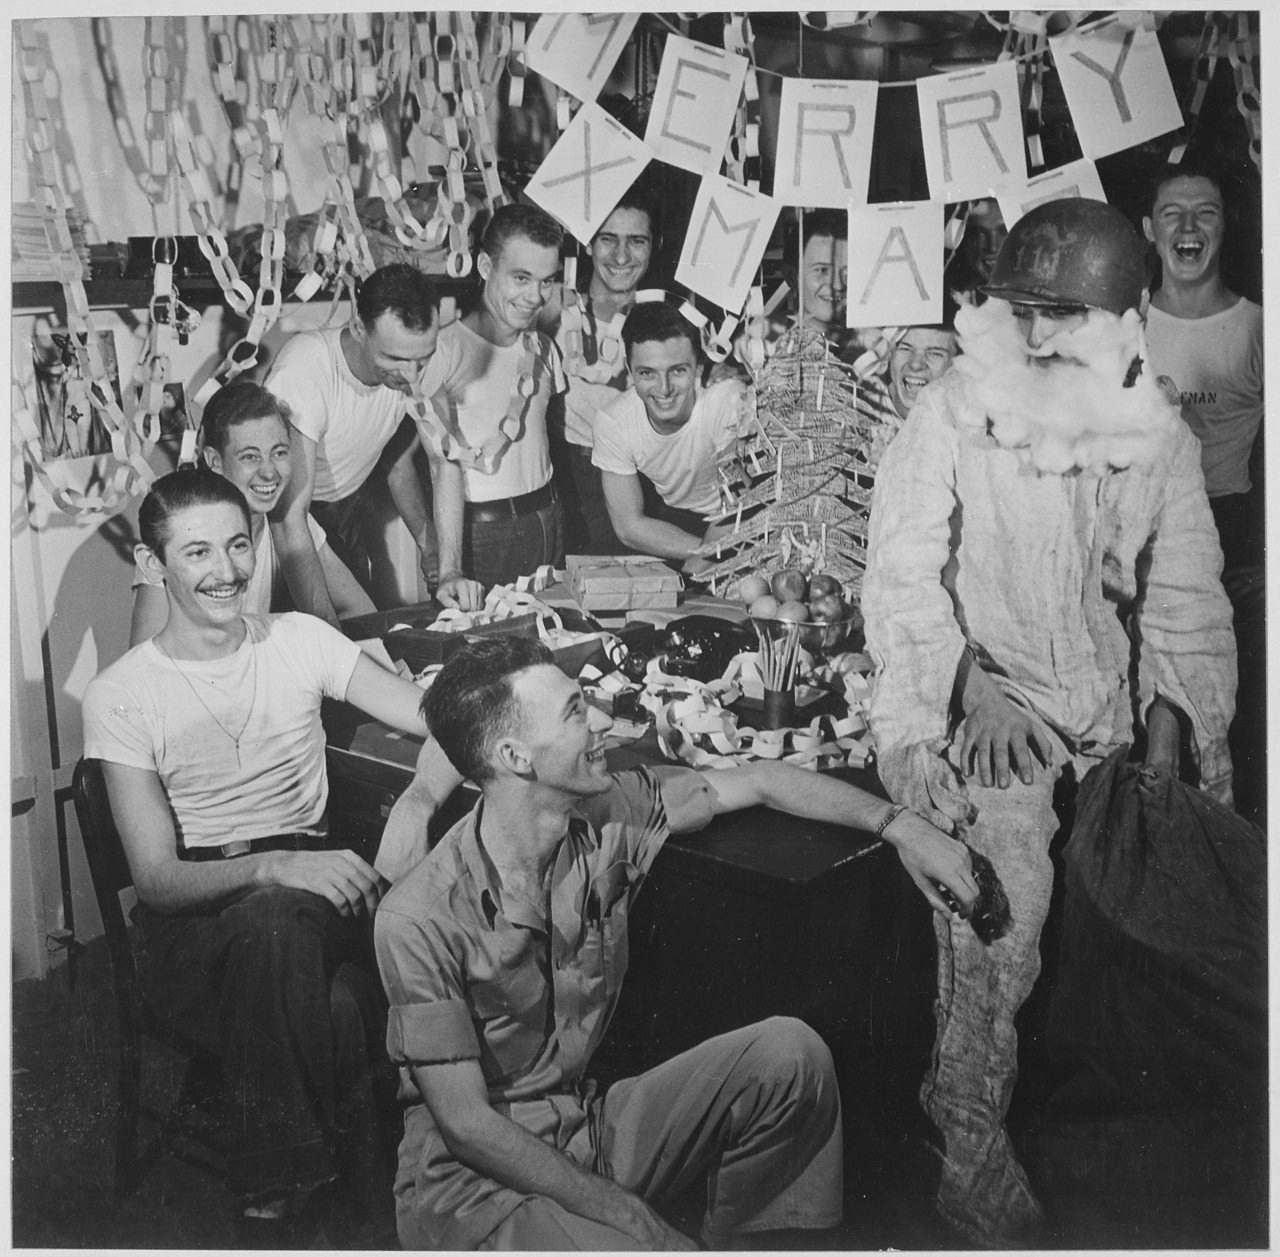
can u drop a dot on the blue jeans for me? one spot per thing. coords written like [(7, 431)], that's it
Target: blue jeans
[(497, 552), (282, 987)]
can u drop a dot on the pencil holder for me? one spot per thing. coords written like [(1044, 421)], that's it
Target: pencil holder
[(779, 709)]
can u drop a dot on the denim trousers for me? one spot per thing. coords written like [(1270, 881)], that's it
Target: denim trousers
[(966, 1092), (496, 552), (283, 988), (755, 1114)]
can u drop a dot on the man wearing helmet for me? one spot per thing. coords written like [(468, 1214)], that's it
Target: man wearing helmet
[(1042, 587)]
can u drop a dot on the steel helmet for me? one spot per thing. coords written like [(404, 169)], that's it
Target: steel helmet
[(1071, 251)]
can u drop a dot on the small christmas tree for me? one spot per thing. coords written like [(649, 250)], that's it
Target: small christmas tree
[(797, 490)]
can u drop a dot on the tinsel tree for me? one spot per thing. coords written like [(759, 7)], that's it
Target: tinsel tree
[(796, 492)]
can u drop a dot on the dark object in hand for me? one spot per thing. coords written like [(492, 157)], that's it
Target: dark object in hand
[(990, 915)]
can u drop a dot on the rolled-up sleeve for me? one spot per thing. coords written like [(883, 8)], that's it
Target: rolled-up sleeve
[(428, 1021)]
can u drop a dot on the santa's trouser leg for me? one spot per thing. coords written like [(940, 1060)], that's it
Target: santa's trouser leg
[(984, 1192)]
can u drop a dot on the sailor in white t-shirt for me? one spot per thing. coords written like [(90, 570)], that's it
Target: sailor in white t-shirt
[(669, 431), (490, 383), (1208, 342), (347, 390)]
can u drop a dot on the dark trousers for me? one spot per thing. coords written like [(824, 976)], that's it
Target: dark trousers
[(353, 526), (1241, 528), (284, 989), (587, 527), (497, 551)]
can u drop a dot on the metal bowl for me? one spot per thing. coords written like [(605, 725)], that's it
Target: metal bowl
[(818, 637)]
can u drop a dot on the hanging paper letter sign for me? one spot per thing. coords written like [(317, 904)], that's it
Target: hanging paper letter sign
[(593, 163), (1116, 84), (971, 125), (694, 104), (577, 51), (895, 264), (726, 239), (1077, 178), (825, 129)]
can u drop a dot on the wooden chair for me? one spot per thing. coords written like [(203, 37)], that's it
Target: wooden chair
[(191, 1127)]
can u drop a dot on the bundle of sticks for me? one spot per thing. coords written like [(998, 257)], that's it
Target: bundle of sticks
[(779, 655)]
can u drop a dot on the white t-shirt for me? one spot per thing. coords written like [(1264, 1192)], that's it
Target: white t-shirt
[(471, 383), (266, 588), (1216, 365), (682, 465), (146, 711), (350, 422), (586, 397)]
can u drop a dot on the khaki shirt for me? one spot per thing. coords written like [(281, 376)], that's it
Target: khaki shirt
[(473, 975)]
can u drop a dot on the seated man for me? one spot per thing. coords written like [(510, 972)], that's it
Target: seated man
[(256, 928), (671, 431), (245, 434), (503, 954), (489, 384)]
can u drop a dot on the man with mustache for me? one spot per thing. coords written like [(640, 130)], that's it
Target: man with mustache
[(256, 922), (347, 390), (490, 383), (1042, 587)]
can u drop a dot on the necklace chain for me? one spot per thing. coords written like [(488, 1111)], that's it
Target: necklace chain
[(253, 696)]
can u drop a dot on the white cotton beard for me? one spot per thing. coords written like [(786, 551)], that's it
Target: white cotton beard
[(1074, 413)]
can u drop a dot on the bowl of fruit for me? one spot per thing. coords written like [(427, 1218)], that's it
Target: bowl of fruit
[(816, 605)]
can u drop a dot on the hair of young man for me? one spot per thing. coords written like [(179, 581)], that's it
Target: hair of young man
[(237, 403), (638, 198), (472, 701), (657, 321), (402, 290), (829, 223), (1190, 168), (513, 220), (178, 491)]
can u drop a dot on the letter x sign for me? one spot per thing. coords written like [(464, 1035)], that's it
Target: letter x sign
[(586, 173)]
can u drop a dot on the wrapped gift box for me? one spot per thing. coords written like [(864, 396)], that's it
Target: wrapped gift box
[(622, 582)]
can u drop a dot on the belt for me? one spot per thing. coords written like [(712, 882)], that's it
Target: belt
[(277, 842), (511, 508)]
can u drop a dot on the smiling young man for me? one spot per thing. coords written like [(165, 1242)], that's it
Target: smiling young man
[(244, 432), (589, 335), (1042, 588), (255, 922), (1208, 342), (490, 384), (919, 356), (668, 430), (504, 952)]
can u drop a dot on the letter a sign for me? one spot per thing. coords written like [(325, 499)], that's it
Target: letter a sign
[(895, 264), (825, 129), (577, 51), (1116, 84), (971, 125), (593, 163), (727, 234)]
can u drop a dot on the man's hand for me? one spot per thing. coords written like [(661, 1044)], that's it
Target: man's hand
[(652, 1233), (457, 590), (429, 564), (1163, 738), (998, 732), (930, 856), (920, 776), (341, 877)]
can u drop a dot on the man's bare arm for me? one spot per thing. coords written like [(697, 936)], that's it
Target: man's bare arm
[(292, 537)]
